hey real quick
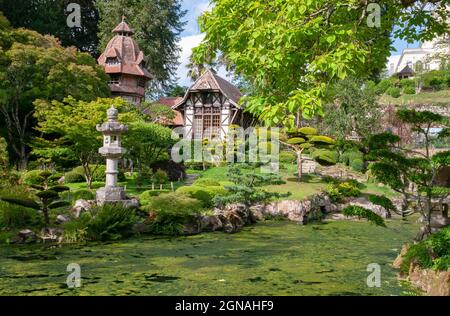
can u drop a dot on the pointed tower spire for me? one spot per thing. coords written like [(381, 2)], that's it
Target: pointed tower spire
[(123, 28)]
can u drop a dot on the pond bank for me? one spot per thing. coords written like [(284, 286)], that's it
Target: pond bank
[(270, 258)]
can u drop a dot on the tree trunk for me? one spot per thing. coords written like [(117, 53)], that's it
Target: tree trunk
[(299, 165), (46, 217)]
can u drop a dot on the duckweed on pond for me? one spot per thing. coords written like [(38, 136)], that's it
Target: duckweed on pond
[(271, 258)]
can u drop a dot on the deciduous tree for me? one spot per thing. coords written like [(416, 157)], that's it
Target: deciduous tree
[(34, 66), (291, 50), (69, 129)]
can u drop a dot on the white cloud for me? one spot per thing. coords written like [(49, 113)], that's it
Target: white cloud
[(191, 38), (187, 43), (195, 9)]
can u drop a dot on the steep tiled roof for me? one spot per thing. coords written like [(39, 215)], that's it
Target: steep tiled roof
[(406, 71), (170, 102), (129, 57), (210, 81)]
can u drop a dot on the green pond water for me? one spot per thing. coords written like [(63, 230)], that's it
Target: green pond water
[(270, 258)]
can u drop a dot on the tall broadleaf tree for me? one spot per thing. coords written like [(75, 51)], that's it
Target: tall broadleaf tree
[(50, 17), (68, 129), (35, 66), (157, 25), (291, 50)]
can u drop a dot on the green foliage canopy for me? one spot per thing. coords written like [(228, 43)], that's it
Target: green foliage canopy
[(291, 50)]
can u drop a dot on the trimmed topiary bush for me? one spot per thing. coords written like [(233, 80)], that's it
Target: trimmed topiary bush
[(74, 177), (393, 92), (409, 90), (325, 157), (357, 164), (288, 157), (207, 182), (296, 140), (307, 131), (32, 177), (146, 196), (323, 140), (204, 194)]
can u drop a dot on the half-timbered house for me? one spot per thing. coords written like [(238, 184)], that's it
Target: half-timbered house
[(210, 107)]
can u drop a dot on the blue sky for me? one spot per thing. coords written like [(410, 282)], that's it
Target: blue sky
[(191, 37)]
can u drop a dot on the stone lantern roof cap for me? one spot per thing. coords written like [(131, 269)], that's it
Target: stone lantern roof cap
[(112, 113), (112, 127)]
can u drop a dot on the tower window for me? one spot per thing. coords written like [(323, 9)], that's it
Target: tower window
[(141, 82), (112, 61), (114, 79)]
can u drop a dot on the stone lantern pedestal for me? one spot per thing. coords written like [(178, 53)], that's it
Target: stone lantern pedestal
[(112, 151)]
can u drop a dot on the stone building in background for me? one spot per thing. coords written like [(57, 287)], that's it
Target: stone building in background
[(125, 64)]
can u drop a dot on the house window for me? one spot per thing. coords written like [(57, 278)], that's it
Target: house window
[(114, 79), (198, 127), (207, 122)]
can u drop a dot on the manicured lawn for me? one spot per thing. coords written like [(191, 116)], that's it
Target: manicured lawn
[(129, 185), (437, 97), (373, 188), (299, 190)]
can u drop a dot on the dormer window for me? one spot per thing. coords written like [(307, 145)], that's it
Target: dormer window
[(111, 61)]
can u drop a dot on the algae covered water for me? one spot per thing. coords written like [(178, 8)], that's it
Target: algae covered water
[(270, 258)]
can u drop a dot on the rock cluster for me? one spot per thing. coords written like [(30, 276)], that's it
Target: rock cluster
[(434, 283), (233, 217), (362, 202)]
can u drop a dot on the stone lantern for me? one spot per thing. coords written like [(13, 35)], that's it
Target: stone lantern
[(112, 151)]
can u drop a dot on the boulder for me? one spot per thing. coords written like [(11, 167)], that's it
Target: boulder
[(52, 234), (210, 223), (363, 202), (191, 228), (434, 283), (140, 228), (25, 236), (233, 217), (82, 206), (61, 219), (62, 180), (399, 260)]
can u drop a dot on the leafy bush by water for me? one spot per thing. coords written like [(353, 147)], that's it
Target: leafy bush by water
[(169, 212), (111, 222), (204, 194), (433, 252), (362, 212)]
